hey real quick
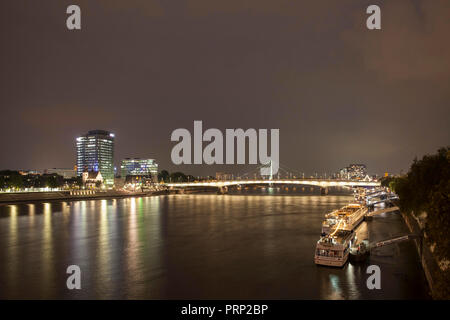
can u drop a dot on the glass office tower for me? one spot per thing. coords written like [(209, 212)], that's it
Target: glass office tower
[(138, 167), (95, 152)]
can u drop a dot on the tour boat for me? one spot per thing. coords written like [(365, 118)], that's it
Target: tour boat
[(333, 249), (360, 195), (346, 218), (338, 235)]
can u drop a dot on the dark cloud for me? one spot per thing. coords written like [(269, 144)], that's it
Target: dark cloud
[(338, 92)]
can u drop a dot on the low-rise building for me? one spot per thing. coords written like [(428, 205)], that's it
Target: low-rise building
[(92, 179), (66, 173)]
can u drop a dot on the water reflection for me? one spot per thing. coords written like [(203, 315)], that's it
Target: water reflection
[(132, 246), (253, 245), (353, 292), (103, 247), (47, 260), (12, 271)]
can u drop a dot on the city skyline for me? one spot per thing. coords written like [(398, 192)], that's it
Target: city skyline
[(339, 93), (138, 165), (118, 162)]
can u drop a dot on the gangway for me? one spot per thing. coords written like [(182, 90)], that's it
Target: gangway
[(385, 210), (383, 243)]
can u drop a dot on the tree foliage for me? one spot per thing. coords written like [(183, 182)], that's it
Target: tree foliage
[(15, 180), (163, 176), (178, 177), (426, 187)]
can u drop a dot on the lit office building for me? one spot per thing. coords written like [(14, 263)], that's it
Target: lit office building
[(139, 167), (95, 152), (354, 171)]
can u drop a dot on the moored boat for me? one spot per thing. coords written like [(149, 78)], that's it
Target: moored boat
[(360, 252), (333, 249), (346, 218)]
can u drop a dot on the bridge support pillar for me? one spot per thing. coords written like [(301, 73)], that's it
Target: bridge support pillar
[(222, 190), (323, 191)]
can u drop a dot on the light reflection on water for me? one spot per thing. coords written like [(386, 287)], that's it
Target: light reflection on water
[(47, 249), (12, 272), (190, 246)]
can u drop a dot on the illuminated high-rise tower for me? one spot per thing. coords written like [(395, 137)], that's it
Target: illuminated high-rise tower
[(95, 152)]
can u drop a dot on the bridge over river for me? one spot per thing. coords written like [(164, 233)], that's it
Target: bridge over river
[(223, 185), (273, 179)]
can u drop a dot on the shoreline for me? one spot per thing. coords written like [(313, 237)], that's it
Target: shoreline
[(62, 196), (427, 260)]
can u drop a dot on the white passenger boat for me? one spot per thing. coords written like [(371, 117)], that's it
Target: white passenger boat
[(346, 218), (338, 235), (333, 249)]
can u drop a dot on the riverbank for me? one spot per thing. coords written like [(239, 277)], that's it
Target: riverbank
[(423, 199), (30, 197), (429, 264)]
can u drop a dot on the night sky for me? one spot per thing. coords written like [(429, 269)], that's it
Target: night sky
[(338, 92)]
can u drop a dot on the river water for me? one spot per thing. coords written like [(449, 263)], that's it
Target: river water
[(246, 245)]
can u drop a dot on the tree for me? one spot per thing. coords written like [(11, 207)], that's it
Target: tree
[(178, 177), (51, 181), (55, 181), (385, 181), (438, 219), (427, 188), (16, 180), (2, 182), (163, 176)]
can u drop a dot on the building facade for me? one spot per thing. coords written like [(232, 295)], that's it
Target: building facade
[(92, 179), (353, 171), (95, 152), (139, 167), (66, 173), (223, 176)]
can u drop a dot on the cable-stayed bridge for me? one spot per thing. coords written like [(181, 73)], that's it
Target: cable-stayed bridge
[(292, 179)]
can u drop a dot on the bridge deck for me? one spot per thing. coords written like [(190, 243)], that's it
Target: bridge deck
[(309, 182)]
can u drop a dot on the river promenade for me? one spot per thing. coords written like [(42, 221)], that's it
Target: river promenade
[(24, 197)]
